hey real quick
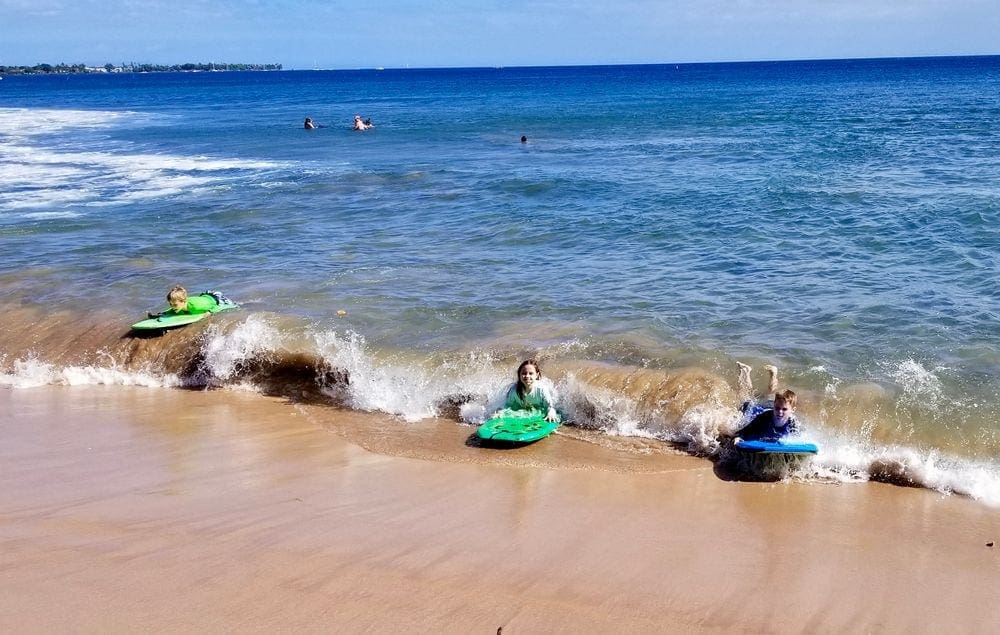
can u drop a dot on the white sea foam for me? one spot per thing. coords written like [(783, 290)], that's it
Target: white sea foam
[(406, 389), (847, 460), (615, 414), (225, 353), (27, 122), (377, 386), (919, 384), (32, 373), (40, 172), (51, 215)]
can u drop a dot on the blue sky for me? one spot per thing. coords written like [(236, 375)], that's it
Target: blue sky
[(420, 33)]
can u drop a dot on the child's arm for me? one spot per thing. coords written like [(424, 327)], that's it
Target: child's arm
[(508, 400), (548, 394), (755, 427)]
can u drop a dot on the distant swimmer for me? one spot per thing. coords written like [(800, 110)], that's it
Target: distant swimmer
[(309, 125), (524, 139), (362, 125)]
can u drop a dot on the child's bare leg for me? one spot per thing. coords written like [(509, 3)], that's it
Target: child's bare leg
[(745, 386), (772, 381)]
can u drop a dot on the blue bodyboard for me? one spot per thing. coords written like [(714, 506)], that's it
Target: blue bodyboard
[(776, 447)]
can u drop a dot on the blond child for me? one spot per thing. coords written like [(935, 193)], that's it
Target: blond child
[(182, 304)]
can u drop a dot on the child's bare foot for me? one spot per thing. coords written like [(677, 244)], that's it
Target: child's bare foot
[(772, 382), (745, 384)]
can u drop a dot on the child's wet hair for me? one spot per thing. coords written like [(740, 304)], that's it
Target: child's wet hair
[(787, 396), (177, 294)]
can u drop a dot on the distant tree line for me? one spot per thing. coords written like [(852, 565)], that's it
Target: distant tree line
[(133, 67)]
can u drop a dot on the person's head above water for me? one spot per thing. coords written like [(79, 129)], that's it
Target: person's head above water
[(177, 298), (784, 406), (524, 139), (527, 374)]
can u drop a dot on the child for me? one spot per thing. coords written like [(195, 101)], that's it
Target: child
[(180, 303), (772, 423), (531, 391)]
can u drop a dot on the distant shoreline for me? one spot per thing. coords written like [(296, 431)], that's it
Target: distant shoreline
[(72, 69), (53, 69)]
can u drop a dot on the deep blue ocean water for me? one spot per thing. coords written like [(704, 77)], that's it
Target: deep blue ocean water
[(837, 218)]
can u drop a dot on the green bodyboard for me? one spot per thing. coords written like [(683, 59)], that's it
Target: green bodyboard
[(517, 426), (171, 320)]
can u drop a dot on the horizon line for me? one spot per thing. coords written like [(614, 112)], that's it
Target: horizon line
[(530, 66), (759, 61)]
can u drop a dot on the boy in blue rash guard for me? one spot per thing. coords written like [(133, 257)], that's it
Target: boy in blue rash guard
[(768, 424), (774, 423), (531, 391)]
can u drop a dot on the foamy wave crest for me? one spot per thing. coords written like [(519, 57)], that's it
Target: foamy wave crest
[(687, 408), (409, 389), (40, 176), (25, 122), (701, 426), (919, 384), (119, 176), (596, 408), (848, 461), (32, 373), (226, 353)]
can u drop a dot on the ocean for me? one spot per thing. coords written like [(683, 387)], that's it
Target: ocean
[(836, 218)]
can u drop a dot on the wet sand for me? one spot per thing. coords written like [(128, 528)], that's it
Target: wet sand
[(125, 509)]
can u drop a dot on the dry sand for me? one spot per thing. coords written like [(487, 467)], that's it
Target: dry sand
[(173, 511)]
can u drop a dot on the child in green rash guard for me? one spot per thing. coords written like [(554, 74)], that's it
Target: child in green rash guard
[(532, 391), (182, 304)]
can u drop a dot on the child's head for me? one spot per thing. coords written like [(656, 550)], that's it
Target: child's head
[(784, 406), (527, 374), (177, 298)]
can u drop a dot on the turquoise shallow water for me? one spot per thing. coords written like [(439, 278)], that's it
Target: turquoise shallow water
[(837, 218)]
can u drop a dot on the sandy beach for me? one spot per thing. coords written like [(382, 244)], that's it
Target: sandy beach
[(136, 509)]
